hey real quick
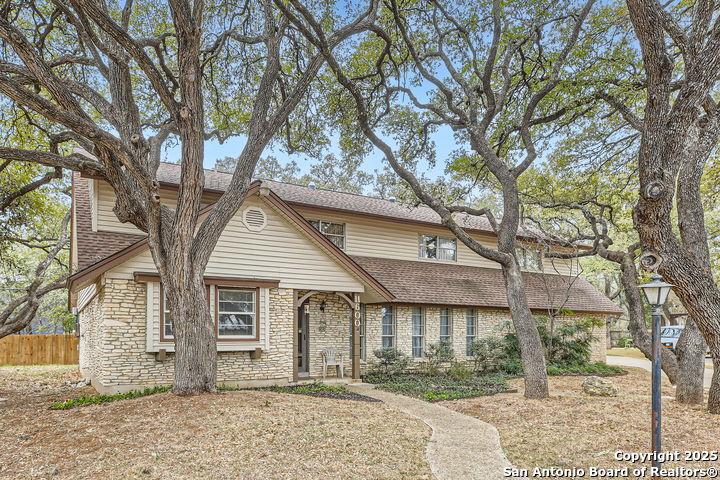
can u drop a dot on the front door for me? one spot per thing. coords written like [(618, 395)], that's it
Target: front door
[(303, 318)]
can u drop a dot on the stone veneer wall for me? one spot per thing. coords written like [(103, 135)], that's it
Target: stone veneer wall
[(112, 345), (489, 323), (90, 335), (328, 329)]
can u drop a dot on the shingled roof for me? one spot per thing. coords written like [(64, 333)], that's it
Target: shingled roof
[(416, 282), (408, 281), (169, 175), (93, 246)]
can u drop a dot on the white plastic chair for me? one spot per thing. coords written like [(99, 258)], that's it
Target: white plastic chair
[(330, 358)]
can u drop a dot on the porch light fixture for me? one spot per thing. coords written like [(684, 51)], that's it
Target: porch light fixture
[(322, 306), (656, 292)]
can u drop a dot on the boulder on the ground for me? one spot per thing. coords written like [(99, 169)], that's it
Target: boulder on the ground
[(599, 387)]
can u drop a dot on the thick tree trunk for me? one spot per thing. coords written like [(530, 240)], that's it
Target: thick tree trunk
[(714, 396), (194, 332), (531, 348), (691, 361)]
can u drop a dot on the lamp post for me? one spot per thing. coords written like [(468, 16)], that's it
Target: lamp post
[(656, 292)]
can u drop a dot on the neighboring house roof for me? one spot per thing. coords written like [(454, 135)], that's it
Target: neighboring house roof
[(417, 282)]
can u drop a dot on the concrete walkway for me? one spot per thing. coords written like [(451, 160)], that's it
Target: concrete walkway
[(460, 448), (646, 365)]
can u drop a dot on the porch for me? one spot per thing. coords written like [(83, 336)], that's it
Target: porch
[(325, 320)]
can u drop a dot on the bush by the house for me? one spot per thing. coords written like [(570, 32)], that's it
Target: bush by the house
[(391, 361), (567, 350), (626, 342), (438, 356)]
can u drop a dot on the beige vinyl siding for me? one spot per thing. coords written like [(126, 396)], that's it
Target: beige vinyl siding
[(376, 237), (278, 252), (93, 194), (105, 200)]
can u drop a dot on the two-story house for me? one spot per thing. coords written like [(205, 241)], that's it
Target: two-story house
[(298, 270)]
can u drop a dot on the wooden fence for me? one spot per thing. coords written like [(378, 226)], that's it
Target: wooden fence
[(39, 349)]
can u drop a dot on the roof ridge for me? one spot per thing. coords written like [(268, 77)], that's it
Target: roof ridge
[(421, 205)]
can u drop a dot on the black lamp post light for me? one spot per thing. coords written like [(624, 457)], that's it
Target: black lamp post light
[(656, 292)]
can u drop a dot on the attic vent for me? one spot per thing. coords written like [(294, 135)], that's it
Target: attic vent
[(254, 219)]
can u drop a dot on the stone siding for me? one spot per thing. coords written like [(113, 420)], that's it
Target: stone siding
[(113, 343), (489, 323), (113, 338), (328, 329), (90, 335)]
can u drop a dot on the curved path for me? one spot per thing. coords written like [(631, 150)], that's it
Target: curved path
[(461, 447)]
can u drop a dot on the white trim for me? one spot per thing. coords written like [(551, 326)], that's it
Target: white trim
[(149, 314), (95, 204), (266, 315), (255, 314)]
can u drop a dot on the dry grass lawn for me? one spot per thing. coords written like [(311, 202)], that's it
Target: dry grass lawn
[(572, 429), (237, 435)]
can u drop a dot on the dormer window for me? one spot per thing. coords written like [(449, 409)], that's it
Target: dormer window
[(435, 247), (335, 232)]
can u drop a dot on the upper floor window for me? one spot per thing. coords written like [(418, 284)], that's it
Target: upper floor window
[(529, 259), (335, 232), (438, 248)]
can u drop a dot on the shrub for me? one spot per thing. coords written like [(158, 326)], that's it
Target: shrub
[(437, 355), (391, 361), (626, 342), (460, 372), (487, 354), (567, 344)]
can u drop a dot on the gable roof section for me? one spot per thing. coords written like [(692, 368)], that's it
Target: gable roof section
[(168, 175), (140, 244), (93, 246), (444, 284)]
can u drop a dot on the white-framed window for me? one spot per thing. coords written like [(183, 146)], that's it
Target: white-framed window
[(529, 259), (335, 232), (445, 324), (388, 326), (470, 330), (166, 326), (435, 247), (418, 332), (237, 313)]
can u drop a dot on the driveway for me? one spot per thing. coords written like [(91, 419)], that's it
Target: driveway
[(646, 364)]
